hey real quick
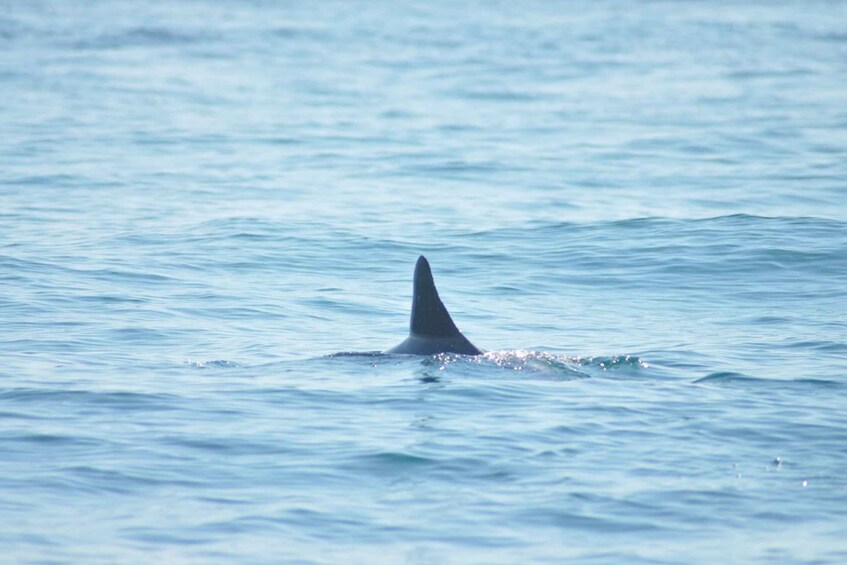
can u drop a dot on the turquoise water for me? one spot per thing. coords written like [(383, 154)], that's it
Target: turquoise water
[(638, 211)]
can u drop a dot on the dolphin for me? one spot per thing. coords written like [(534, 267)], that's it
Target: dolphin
[(431, 329)]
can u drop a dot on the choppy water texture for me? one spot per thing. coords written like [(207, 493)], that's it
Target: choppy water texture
[(638, 210)]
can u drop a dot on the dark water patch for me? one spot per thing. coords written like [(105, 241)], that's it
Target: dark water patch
[(325, 304), (726, 377), (303, 33), (199, 140), (453, 169), (11, 28), (124, 480), (107, 400), (231, 446), (109, 299), (244, 227), (391, 463), (126, 275), (310, 394), (232, 313), (832, 36), (818, 383), (226, 501), (50, 440), (243, 525), (557, 518), (6, 416), (87, 478), (770, 320), (142, 335), (744, 74), (774, 238), (775, 516), (825, 346), (41, 180), (158, 537), (454, 128), (497, 96), (15, 539), (143, 36), (327, 526), (730, 378), (280, 140)]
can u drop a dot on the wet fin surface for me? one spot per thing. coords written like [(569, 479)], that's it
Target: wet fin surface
[(431, 329), (429, 315)]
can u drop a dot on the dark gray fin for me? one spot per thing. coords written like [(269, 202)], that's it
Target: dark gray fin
[(431, 329), (429, 316)]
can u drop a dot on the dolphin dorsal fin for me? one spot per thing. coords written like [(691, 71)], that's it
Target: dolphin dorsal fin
[(429, 316), (431, 329)]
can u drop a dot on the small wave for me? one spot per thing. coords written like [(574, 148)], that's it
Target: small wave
[(536, 363), (237, 227), (45, 180), (832, 36), (51, 439), (302, 33), (214, 364), (139, 335), (820, 345), (726, 377), (98, 479), (731, 378), (140, 37), (613, 362), (121, 400), (10, 29), (498, 95), (576, 521), (395, 459)]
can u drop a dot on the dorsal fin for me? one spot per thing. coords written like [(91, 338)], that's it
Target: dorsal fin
[(429, 316), (431, 329)]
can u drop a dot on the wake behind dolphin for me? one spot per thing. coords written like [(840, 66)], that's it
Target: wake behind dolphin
[(431, 329)]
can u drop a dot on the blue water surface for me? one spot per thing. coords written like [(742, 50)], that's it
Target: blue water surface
[(210, 209)]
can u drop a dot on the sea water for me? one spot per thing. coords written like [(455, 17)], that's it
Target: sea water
[(210, 210)]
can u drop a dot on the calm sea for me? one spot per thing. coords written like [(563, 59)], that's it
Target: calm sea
[(638, 209)]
